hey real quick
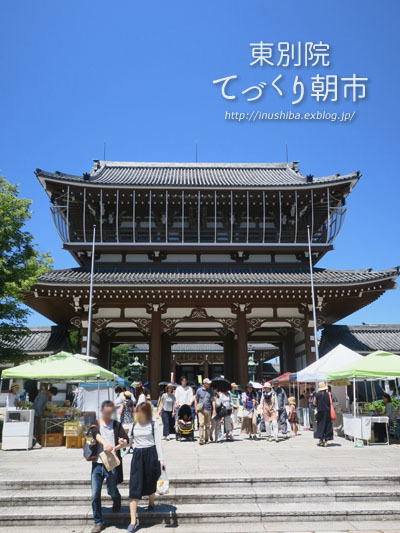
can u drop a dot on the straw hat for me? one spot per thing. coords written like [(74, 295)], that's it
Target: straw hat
[(322, 386), (127, 394), (292, 400), (234, 385), (170, 386), (268, 385), (14, 386)]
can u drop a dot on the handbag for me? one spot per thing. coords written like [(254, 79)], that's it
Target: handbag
[(333, 413), (90, 446)]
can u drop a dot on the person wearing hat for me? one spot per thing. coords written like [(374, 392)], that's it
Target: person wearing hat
[(235, 403), (204, 403), (249, 421), (282, 402), (12, 399), (269, 407), (126, 410), (322, 401), (166, 410), (39, 406)]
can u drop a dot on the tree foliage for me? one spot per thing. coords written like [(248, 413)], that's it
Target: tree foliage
[(20, 266), (121, 363)]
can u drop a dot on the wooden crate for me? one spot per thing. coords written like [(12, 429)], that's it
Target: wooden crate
[(72, 429), (52, 439), (74, 442)]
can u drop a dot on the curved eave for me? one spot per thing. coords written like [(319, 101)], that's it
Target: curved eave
[(45, 177), (379, 277)]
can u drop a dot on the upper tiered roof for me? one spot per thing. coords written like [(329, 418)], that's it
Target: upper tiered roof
[(196, 175)]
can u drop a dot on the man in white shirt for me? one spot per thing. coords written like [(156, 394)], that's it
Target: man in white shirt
[(183, 394)]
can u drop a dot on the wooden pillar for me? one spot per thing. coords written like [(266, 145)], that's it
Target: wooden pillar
[(155, 352), (166, 362), (173, 367), (242, 351), (259, 372), (205, 373), (104, 351), (229, 356), (289, 353)]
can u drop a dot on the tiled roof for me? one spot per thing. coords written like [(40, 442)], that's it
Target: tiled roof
[(248, 275), (200, 347), (364, 339), (43, 339), (195, 175)]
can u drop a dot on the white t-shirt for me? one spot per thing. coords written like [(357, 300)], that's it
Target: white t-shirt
[(107, 434), (143, 438), (184, 395), (11, 399)]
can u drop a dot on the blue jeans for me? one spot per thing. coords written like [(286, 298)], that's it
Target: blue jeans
[(99, 472), (167, 421)]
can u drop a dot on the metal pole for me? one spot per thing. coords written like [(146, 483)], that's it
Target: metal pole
[(312, 294), (98, 396), (354, 397), (89, 338)]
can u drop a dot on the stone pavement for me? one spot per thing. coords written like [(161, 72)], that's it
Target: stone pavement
[(298, 456), (264, 481)]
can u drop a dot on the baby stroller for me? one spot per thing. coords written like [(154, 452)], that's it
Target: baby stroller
[(184, 423)]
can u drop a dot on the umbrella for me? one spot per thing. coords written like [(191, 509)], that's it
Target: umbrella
[(221, 383)]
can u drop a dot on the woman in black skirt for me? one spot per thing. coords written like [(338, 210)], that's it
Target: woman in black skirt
[(322, 402), (147, 461)]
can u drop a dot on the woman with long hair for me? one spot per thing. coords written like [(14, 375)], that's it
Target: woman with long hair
[(147, 461), (166, 410), (249, 420)]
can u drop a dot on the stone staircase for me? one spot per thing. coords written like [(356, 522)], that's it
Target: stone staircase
[(216, 501)]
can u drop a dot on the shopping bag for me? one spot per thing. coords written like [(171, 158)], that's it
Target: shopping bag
[(110, 460), (163, 483), (333, 413)]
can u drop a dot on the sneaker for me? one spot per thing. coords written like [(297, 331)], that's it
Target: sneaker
[(276, 439), (132, 528), (201, 442), (150, 508), (116, 506), (270, 439), (167, 438), (36, 446), (98, 527), (286, 436)]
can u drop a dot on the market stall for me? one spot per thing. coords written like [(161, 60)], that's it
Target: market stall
[(60, 421), (377, 365)]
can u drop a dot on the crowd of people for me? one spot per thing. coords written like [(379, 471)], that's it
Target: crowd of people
[(215, 408)]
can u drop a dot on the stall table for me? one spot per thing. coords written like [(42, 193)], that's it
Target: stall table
[(359, 427)]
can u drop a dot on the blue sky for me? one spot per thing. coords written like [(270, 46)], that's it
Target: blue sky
[(139, 75)]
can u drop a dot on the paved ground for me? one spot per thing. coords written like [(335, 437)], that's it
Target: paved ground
[(297, 456)]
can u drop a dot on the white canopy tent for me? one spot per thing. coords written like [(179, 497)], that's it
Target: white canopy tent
[(337, 358)]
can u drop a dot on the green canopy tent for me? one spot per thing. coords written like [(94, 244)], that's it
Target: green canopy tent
[(60, 367), (376, 365)]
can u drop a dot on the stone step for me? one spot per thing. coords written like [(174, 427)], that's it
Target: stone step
[(343, 526), (193, 495), (206, 513), (218, 480)]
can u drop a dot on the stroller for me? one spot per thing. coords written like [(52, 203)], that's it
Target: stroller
[(185, 429)]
